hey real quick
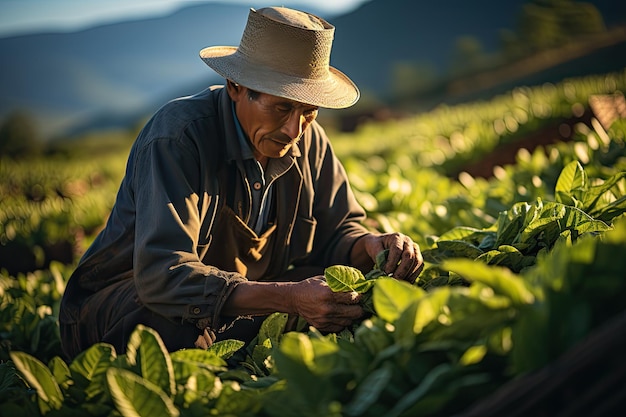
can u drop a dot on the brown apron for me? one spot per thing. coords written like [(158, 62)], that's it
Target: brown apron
[(111, 314), (239, 248)]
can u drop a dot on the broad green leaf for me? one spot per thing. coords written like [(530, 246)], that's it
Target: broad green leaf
[(403, 335), (617, 236), (369, 390), (235, 401), (510, 223), (60, 370), (39, 376), (298, 347), (200, 357), (432, 378), (204, 357), (372, 337), (571, 184), (226, 348), (146, 348), (273, 328), (308, 365), (94, 360), (473, 354), (135, 396), (341, 278), (381, 260), (91, 365), (9, 377), (508, 256), (610, 211), (554, 218), (201, 386), (325, 353), (260, 355), (392, 297), (317, 354), (501, 280), (467, 234), (576, 219), (458, 249), (593, 202), (430, 307), (184, 369)]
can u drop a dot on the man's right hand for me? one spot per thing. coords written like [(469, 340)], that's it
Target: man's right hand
[(326, 310)]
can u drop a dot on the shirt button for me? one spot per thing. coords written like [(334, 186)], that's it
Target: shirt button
[(257, 186), (196, 310)]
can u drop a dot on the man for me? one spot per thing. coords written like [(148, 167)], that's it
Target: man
[(233, 204)]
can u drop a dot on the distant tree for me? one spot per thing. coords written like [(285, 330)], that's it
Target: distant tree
[(539, 26), (579, 19), (545, 24), (19, 136), (511, 46), (410, 78), (468, 55)]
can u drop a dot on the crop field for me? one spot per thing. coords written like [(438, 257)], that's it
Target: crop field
[(524, 264)]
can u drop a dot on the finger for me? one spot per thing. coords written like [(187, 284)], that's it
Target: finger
[(410, 264), (351, 313), (396, 248), (349, 298), (339, 319), (345, 314), (402, 257), (420, 262), (416, 273)]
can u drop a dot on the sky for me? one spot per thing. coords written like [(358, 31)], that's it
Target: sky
[(27, 16)]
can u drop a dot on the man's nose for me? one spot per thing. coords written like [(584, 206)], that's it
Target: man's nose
[(293, 126)]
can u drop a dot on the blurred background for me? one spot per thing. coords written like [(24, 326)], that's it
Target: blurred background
[(71, 67)]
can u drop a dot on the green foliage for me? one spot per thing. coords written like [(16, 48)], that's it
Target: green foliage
[(18, 137), (526, 231), (520, 268), (545, 24), (51, 208), (147, 380), (28, 310)]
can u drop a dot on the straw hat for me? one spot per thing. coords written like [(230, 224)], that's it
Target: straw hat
[(285, 53)]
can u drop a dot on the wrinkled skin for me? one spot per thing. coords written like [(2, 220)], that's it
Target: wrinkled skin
[(324, 309), (404, 261), (327, 311)]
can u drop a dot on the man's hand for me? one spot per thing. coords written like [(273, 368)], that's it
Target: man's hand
[(404, 260), (322, 308)]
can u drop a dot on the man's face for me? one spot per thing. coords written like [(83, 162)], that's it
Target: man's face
[(272, 124)]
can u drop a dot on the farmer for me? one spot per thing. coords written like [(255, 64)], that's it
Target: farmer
[(233, 204)]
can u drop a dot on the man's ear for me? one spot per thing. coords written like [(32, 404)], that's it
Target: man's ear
[(234, 90)]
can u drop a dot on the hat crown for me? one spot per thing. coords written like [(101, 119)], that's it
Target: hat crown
[(290, 41), (285, 53)]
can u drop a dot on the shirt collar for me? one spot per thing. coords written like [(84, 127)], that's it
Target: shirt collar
[(244, 145)]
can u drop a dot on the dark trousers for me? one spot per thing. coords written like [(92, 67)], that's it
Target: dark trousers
[(112, 314)]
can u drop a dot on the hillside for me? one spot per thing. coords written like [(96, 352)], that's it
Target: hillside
[(118, 73)]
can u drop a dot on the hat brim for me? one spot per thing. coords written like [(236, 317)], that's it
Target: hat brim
[(336, 91)]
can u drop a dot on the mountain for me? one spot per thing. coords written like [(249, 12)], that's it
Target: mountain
[(65, 79), (116, 74), (413, 31), (373, 39)]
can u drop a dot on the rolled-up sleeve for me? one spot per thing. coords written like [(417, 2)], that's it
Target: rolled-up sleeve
[(171, 207)]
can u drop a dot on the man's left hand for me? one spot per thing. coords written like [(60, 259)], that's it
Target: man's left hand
[(404, 260)]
